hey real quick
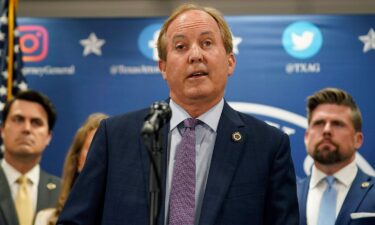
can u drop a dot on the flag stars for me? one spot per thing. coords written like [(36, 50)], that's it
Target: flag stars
[(5, 74), (4, 19), (22, 86), (3, 91), (16, 49), (2, 36), (16, 33)]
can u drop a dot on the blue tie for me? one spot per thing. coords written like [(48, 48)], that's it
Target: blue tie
[(327, 211)]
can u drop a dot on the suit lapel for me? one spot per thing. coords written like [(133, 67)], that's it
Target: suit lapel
[(353, 199), (44, 191), (6, 201), (223, 164)]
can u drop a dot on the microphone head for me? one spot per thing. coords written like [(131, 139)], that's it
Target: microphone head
[(160, 113), (163, 110)]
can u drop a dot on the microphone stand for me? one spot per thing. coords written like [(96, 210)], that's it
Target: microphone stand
[(160, 113), (153, 143)]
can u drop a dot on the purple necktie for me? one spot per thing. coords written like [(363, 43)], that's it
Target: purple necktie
[(182, 197)]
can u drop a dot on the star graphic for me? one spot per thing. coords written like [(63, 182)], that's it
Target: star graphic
[(368, 40), (236, 41), (3, 90), (92, 45), (153, 45)]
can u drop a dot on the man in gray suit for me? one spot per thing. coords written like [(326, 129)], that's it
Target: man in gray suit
[(26, 128)]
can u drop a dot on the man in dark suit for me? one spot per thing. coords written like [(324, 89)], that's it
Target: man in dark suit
[(243, 172), (332, 138), (26, 129)]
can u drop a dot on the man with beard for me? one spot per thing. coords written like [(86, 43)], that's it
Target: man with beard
[(337, 192)]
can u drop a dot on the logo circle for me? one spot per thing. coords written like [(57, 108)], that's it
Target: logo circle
[(302, 40), (147, 41), (29, 43)]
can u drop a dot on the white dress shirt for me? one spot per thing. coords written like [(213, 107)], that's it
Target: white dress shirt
[(12, 175), (344, 179), (205, 133)]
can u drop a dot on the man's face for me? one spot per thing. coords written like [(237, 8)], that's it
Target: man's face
[(331, 137), (25, 132), (197, 65)]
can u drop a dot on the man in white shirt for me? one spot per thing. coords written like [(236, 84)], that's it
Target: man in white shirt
[(26, 130), (332, 138)]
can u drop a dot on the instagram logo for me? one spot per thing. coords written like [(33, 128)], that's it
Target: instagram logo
[(33, 42)]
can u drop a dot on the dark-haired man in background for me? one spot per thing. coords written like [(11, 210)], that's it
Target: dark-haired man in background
[(26, 130)]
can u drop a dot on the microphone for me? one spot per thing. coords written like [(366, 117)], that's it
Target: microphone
[(159, 114)]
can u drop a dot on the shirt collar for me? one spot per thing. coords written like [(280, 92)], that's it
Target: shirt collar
[(345, 176), (211, 117), (12, 174)]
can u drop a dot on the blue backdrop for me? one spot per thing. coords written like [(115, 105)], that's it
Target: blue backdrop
[(109, 65)]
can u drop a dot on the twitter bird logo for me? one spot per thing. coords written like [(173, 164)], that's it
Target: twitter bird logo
[(302, 40)]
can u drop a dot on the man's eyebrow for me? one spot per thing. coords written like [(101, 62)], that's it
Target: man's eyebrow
[(178, 36), (206, 33)]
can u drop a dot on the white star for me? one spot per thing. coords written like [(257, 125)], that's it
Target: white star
[(368, 40), (5, 74), (16, 49), (153, 45), (92, 45), (16, 33), (236, 41), (22, 86), (2, 36), (2, 106), (4, 20), (3, 90)]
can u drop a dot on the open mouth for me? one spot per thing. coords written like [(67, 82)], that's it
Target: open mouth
[(198, 74)]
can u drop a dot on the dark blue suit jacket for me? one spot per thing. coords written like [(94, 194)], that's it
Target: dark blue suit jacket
[(360, 198), (250, 181)]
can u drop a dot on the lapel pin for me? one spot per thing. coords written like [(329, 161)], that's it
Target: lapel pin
[(365, 184), (51, 186), (236, 136)]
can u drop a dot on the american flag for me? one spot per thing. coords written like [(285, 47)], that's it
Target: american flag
[(18, 80)]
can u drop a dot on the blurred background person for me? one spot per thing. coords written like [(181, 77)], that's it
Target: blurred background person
[(25, 188), (337, 192), (74, 162)]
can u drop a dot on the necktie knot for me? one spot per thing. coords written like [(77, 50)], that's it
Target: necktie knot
[(330, 181), (22, 180), (190, 123)]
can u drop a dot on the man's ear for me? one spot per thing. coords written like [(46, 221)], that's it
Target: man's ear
[(231, 64), (49, 138), (162, 67)]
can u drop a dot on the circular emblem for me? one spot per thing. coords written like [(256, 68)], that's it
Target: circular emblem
[(236, 136)]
